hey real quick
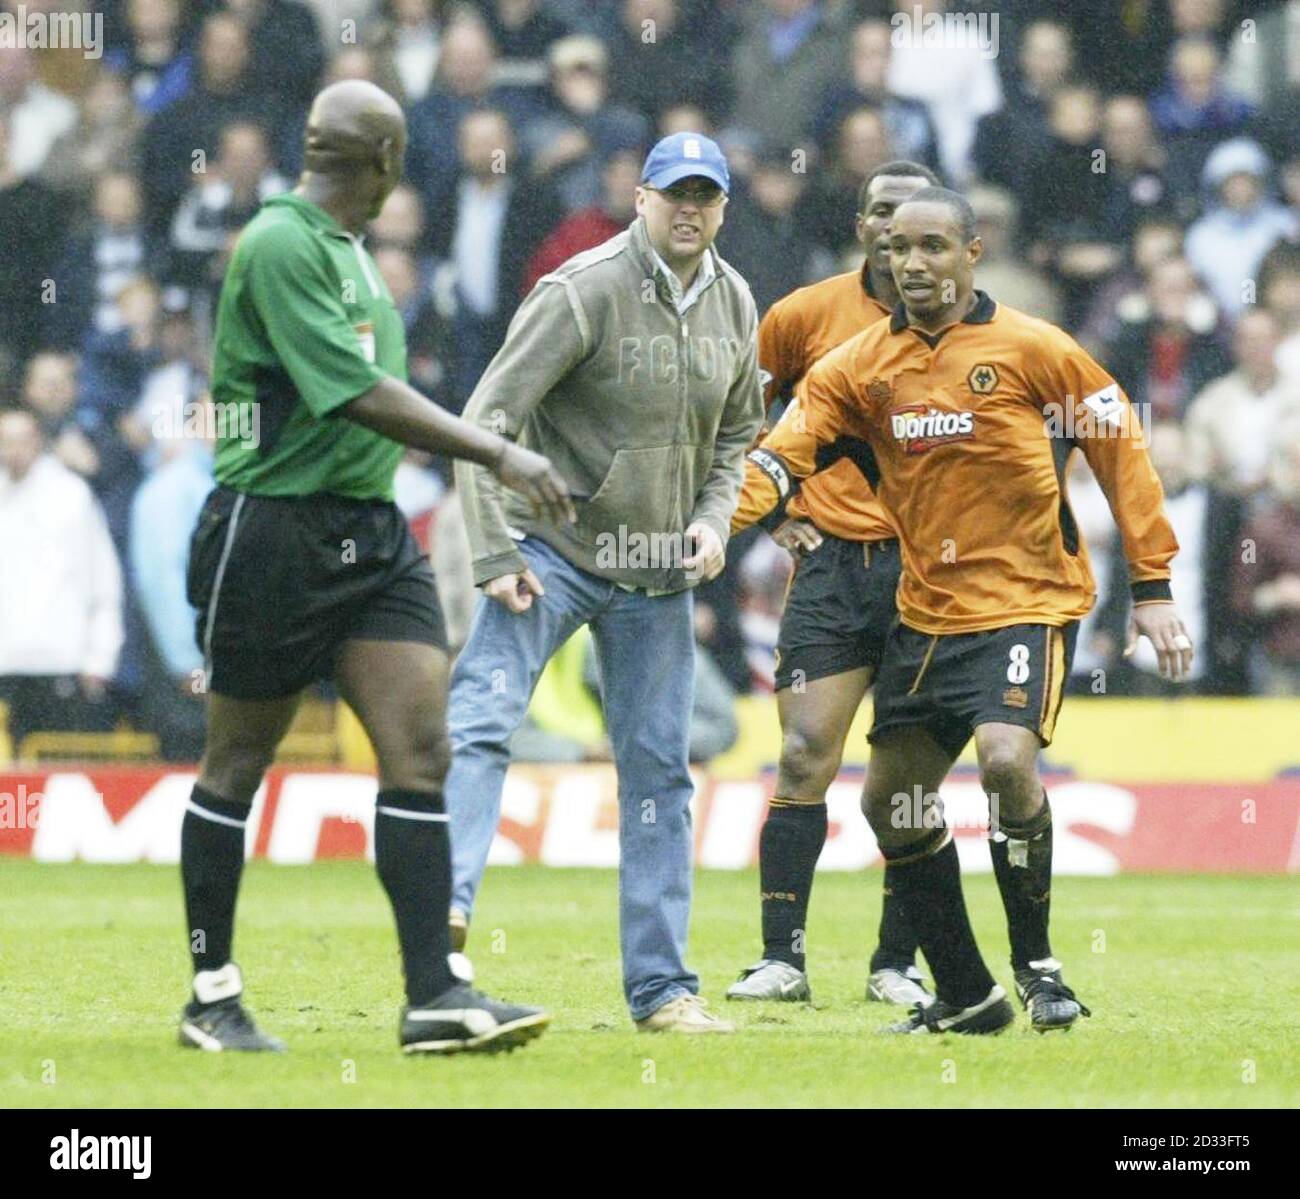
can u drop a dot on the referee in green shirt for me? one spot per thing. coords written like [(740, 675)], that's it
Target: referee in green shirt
[(302, 568)]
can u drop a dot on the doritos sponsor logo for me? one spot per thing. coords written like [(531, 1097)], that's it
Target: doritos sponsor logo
[(920, 429)]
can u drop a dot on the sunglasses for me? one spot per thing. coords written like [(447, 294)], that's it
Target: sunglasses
[(703, 197)]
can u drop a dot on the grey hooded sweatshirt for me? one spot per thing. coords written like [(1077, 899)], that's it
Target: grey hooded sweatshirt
[(647, 413)]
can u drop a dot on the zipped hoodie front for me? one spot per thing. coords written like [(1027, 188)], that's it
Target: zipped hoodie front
[(645, 411)]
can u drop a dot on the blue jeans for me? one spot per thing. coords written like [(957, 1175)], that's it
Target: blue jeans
[(645, 646)]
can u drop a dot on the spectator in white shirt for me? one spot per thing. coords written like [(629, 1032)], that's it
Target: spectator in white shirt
[(37, 116), (1232, 425), (410, 42), (1243, 222), (60, 590), (952, 72)]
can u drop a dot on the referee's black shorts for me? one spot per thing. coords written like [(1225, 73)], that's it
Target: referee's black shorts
[(280, 583)]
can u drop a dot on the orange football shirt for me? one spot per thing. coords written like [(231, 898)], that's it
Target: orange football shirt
[(970, 431)]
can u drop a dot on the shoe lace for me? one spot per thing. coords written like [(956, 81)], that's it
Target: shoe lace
[(699, 1003)]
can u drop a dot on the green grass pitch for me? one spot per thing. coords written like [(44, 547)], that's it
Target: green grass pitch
[(1191, 981)]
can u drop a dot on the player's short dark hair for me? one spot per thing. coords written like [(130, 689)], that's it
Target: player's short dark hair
[(903, 167), (958, 203)]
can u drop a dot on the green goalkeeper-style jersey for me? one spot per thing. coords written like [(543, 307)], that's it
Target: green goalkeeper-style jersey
[(305, 324)]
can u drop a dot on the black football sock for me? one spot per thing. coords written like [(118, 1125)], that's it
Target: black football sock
[(1023, 866), (928, 879), (413, 857), (788, 848), (212, 860), (896, 947)]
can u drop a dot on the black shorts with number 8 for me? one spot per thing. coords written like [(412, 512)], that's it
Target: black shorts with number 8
[(950, 683)]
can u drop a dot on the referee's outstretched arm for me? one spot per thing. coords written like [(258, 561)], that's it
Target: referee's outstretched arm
[(398, 411)]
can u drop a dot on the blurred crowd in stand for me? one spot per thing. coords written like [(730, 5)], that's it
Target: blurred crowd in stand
[(1134, 166)]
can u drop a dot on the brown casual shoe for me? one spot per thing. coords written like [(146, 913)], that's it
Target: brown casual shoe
[(458, 927), (684, 1014)]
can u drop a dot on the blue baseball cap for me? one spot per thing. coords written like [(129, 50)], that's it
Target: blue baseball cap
[(683, 155)]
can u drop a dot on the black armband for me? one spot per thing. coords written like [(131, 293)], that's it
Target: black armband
[(774, 467), (1152, 591), (787, 486)]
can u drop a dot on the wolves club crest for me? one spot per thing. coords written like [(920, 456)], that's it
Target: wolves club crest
[(983, 378)]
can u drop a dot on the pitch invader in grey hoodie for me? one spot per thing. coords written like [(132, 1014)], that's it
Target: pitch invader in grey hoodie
[(633, 367), (645, 410)]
